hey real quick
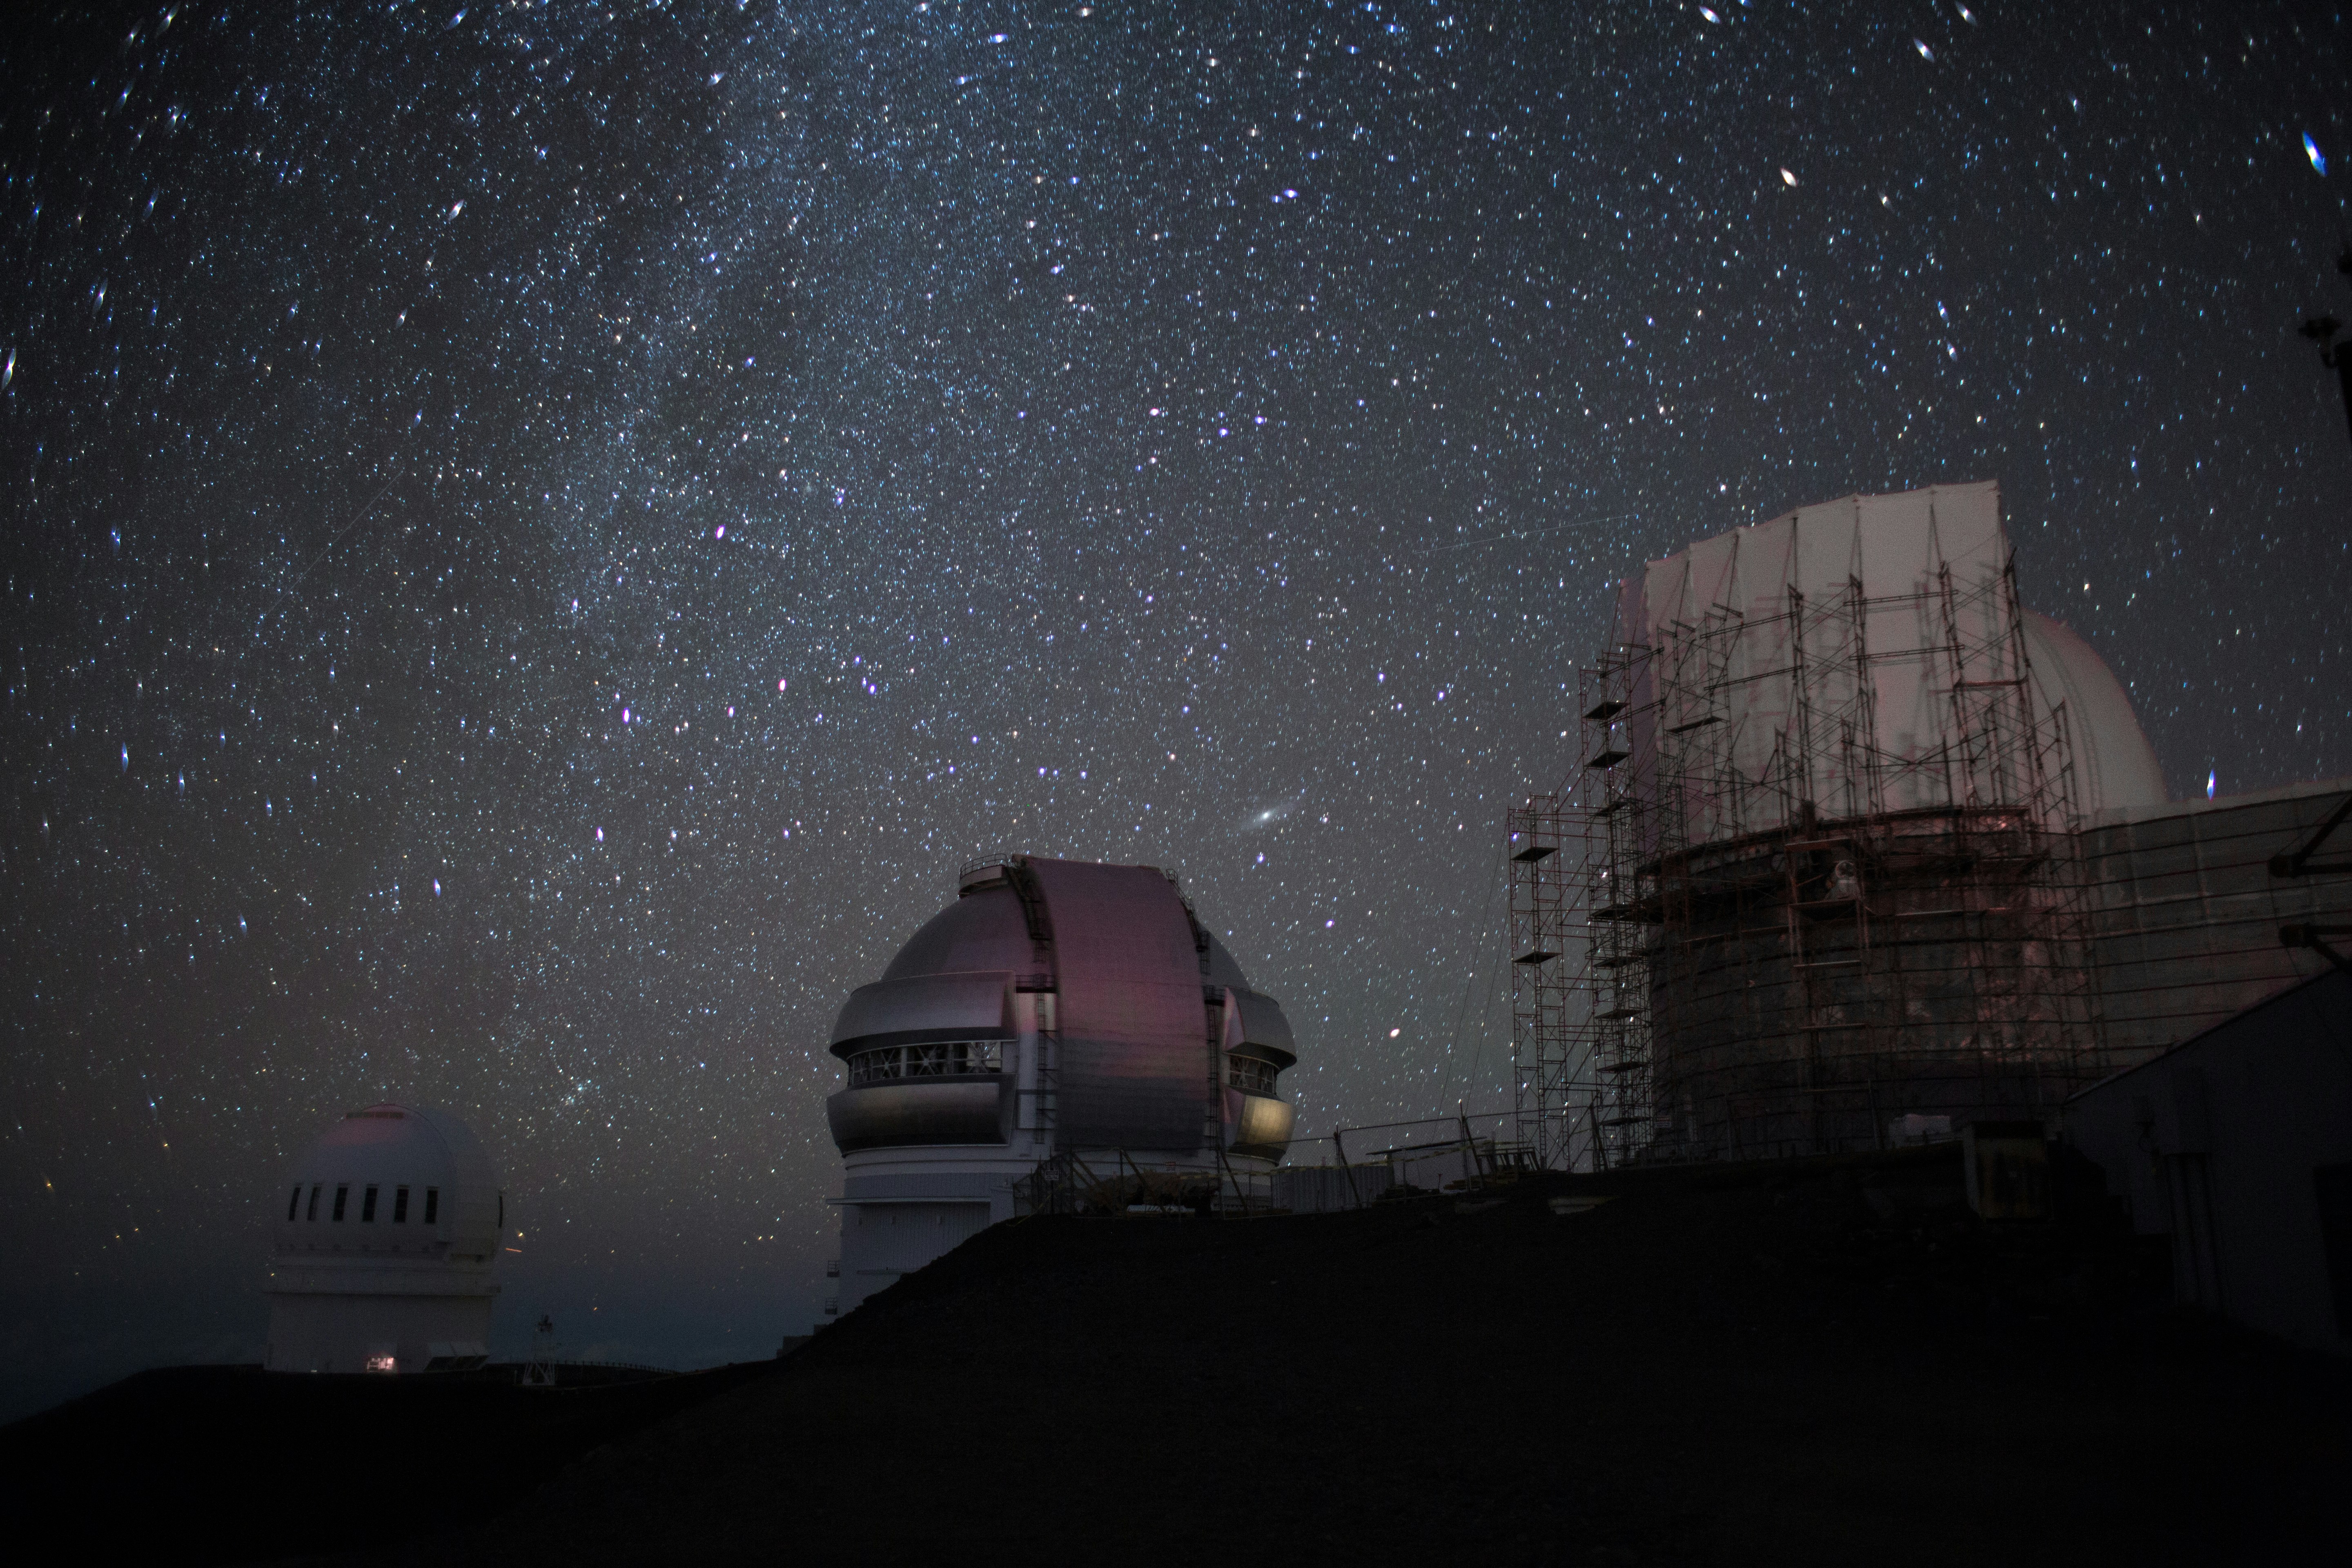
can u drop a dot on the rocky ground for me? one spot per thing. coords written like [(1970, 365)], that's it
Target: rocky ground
[(228, 1464)]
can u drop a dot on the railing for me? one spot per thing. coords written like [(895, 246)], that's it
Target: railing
[(1250, 1075), (943, 1058)]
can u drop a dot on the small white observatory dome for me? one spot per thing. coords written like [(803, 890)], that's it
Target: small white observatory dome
[(386, 1230)]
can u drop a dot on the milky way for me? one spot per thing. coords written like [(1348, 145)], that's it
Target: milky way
[(540, 536)]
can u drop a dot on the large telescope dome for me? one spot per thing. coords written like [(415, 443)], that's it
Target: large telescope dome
[(1057, 1010), (1141, 1001)]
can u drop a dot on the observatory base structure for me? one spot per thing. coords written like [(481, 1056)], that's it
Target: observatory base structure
[(1815, 885)]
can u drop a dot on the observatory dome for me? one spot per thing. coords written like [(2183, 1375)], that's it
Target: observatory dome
[(1058, 1009), (393, 1181), (1131, 980), (1759, 633), (2114, 764), (986, 929), (1837, 767), (385, 1235)]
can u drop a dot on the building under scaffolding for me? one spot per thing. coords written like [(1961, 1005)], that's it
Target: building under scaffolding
[(1815, 884)]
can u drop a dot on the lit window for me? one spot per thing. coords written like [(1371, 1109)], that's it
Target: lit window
[(432, 1206), (313, 1215), (343, 1195), (294, 1203), (367, 1206), (943, 1059), (400, 1206)]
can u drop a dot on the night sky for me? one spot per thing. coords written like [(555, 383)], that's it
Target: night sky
[(540, 537)]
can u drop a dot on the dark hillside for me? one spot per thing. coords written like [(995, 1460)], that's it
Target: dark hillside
[(1826, 1362), (230, 1463)]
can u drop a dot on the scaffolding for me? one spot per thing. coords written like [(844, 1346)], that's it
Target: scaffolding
[(1752, 924), (1549, 1050), (1579, 974)]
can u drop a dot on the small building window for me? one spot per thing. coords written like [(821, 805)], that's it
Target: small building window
[(400, 1206), (313, 1215), (367, 1204), (294, 1203), (432, 1206), (343, 1195)]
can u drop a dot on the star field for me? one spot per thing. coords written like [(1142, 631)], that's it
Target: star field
[(542, 535)]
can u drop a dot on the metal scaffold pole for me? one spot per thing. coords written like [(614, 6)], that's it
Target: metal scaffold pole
[(1579, 919), (1542, 852)]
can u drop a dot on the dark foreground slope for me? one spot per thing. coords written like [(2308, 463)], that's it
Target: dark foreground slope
[(231, 1464), (1833, 1364)]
